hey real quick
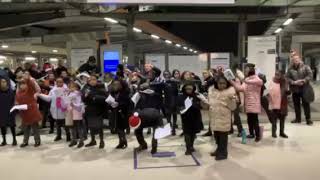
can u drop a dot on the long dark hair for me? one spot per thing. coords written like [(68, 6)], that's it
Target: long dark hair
[(218, 78)]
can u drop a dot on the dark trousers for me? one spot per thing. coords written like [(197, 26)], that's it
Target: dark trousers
[(237, 119), (78, 130), (265, 106), (4, 132), (277, 115), (189, 140), (173, 123), (112, 121), (139, 135), (221, 139), (61, 123), (35, 130), (94, 131), (122, 136), (297, 98), (253, 123), (51, 121)]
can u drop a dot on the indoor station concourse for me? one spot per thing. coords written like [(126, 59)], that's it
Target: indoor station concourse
[(118, 40)]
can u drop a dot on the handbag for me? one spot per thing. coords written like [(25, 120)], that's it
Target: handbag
[(308, 93)]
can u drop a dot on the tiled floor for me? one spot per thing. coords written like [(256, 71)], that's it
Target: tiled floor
[(295, 158)]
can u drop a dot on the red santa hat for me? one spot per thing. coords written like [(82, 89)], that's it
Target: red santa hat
[(134, 121)]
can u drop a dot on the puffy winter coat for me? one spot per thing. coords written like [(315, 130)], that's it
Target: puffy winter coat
[(32, 114), (252, 93), (7, 102), (222, 103)]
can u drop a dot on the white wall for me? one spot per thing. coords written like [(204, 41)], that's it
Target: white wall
[(196, 63), (157, 60)]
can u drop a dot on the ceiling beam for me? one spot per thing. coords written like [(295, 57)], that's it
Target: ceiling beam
[(190, 17), (9, 22)]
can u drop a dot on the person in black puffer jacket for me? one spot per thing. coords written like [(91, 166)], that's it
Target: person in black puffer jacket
[(120, 108), (7, 97), (94, 96)]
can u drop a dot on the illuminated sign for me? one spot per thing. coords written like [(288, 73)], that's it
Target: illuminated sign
[(111, 61)]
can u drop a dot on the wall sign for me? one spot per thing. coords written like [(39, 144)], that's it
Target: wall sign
[(111, 61)]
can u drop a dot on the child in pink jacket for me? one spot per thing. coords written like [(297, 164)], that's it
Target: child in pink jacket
[(74, 115), (252, 92), (278, 102)]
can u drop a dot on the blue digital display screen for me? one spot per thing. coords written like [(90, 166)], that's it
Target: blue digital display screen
[(111, 61)]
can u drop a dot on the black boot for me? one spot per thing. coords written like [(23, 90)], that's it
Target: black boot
[(188, 141), (274, 131), (141, 148), (142, 143), (73, 143), (309, 122), (80, 145), (101, 146), (154, 146), (149, 131), (4, 142), (296, 121), (122, 140), (128, 131), (92, 143), (214, 153), (207, 134), (37, 144), (23, 145), (283, 135), (14, 142), (57, 138)]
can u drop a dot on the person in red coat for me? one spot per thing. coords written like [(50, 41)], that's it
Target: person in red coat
[(30, 117)]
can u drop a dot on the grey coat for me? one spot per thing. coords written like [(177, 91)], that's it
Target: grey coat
[(301, 72)]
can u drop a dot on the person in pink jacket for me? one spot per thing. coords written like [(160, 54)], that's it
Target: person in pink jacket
[(278, 102), (252, 92), (74, 115)]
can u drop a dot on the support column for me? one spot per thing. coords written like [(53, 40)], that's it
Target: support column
[(166, 62), (242, 38), (208, 60), (131, 42)]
